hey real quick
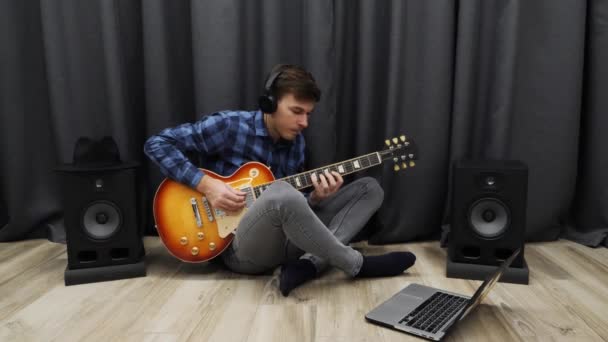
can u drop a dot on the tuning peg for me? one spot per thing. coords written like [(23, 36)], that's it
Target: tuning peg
[(387, 142), (404, 165), (412, 164), (402, 138), (397, 168), (395, 140)]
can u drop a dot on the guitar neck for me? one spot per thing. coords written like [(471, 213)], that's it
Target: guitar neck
[(303, 180)]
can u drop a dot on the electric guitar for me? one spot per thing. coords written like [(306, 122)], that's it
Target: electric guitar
[(193, 231)]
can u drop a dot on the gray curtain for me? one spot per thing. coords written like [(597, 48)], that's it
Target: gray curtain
[(469, 79)]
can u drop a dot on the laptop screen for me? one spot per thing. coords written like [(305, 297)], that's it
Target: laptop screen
[(486, 286)]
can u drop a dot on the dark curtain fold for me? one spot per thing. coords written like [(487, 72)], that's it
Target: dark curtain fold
[(28, 151), (396, 73), (590, 210), (465, 79)]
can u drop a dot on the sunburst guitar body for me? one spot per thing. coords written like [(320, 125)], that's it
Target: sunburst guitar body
[(189, 227), (193, 231)]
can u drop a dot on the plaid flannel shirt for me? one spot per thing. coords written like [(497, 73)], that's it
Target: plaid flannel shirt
[(225, 141)]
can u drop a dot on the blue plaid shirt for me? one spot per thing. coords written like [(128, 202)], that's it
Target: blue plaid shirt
[(225, 141)]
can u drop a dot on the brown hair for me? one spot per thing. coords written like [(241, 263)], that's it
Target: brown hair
[(296, 80)]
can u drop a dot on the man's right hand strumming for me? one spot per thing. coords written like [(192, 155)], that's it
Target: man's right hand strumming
[(220, 195)]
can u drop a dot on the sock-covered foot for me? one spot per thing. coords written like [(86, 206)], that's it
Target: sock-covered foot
[(386, 265), (295, 274)]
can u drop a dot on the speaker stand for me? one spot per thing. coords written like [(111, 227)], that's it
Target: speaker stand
[(515, 275), (104, 273)]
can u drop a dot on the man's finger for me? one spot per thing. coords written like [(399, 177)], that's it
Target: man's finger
[(236, 192), (231, 205), (339, 181), (324, 184), (331, 180), (338, 176), (233, 197), (313, 178)]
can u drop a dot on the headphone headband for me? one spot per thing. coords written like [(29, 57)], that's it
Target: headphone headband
[(274, 73), (267, 102)]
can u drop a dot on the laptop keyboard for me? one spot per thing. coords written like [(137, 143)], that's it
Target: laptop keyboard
[(434, 312)]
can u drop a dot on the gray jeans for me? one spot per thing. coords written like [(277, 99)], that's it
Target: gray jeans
[(280, 226)]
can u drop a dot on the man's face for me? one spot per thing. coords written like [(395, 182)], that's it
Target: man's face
[(291, 116)]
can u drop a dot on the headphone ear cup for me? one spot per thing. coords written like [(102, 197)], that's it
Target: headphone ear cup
[(267, 104)]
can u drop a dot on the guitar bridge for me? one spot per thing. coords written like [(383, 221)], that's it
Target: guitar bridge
[(207, 209), (197, 215)]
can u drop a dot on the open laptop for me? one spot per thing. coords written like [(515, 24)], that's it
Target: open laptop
[(429, 312)]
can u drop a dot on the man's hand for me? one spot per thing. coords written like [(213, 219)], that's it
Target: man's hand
[(325, 186), (221, 196)]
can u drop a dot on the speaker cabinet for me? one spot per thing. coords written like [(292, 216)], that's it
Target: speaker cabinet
[(104, 238), (488, 219)]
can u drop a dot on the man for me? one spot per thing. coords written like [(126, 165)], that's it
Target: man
[(304, 233)]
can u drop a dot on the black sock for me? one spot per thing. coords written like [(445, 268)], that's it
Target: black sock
[(386, 265), (295, 274)]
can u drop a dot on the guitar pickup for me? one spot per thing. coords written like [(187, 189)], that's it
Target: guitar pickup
[(197, 215)]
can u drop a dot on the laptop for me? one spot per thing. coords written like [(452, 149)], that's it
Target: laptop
[(429, 312)]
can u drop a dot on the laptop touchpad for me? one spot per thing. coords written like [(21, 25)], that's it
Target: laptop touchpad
[(409, 301), (393, 310)]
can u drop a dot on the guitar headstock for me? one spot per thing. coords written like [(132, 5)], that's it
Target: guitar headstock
[(402, 151)]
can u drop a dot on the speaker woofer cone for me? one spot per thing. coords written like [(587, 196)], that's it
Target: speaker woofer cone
[(101, 220), (489, 217)]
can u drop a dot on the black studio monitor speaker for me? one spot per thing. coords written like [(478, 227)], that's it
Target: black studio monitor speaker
[(104, 237), (488, 219)]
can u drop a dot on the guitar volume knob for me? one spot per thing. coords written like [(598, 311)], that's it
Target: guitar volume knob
[(211, 246), (194, 250), (183, 241), (200, 235)]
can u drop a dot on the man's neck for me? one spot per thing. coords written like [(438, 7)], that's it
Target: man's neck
[(269, 123)]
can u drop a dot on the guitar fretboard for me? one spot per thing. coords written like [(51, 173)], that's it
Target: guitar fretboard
[(303, 180)]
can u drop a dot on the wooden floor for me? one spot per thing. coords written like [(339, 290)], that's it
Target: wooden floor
[(567, 299)]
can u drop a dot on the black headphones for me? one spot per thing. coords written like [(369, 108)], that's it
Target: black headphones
[(267, 102)]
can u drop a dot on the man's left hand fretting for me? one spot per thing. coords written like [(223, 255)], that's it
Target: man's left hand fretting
[(326, 185)]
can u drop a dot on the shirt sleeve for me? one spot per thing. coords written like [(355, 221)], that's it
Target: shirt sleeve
[(166, 149)]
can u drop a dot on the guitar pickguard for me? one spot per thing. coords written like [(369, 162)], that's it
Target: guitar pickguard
[(227, 224)]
